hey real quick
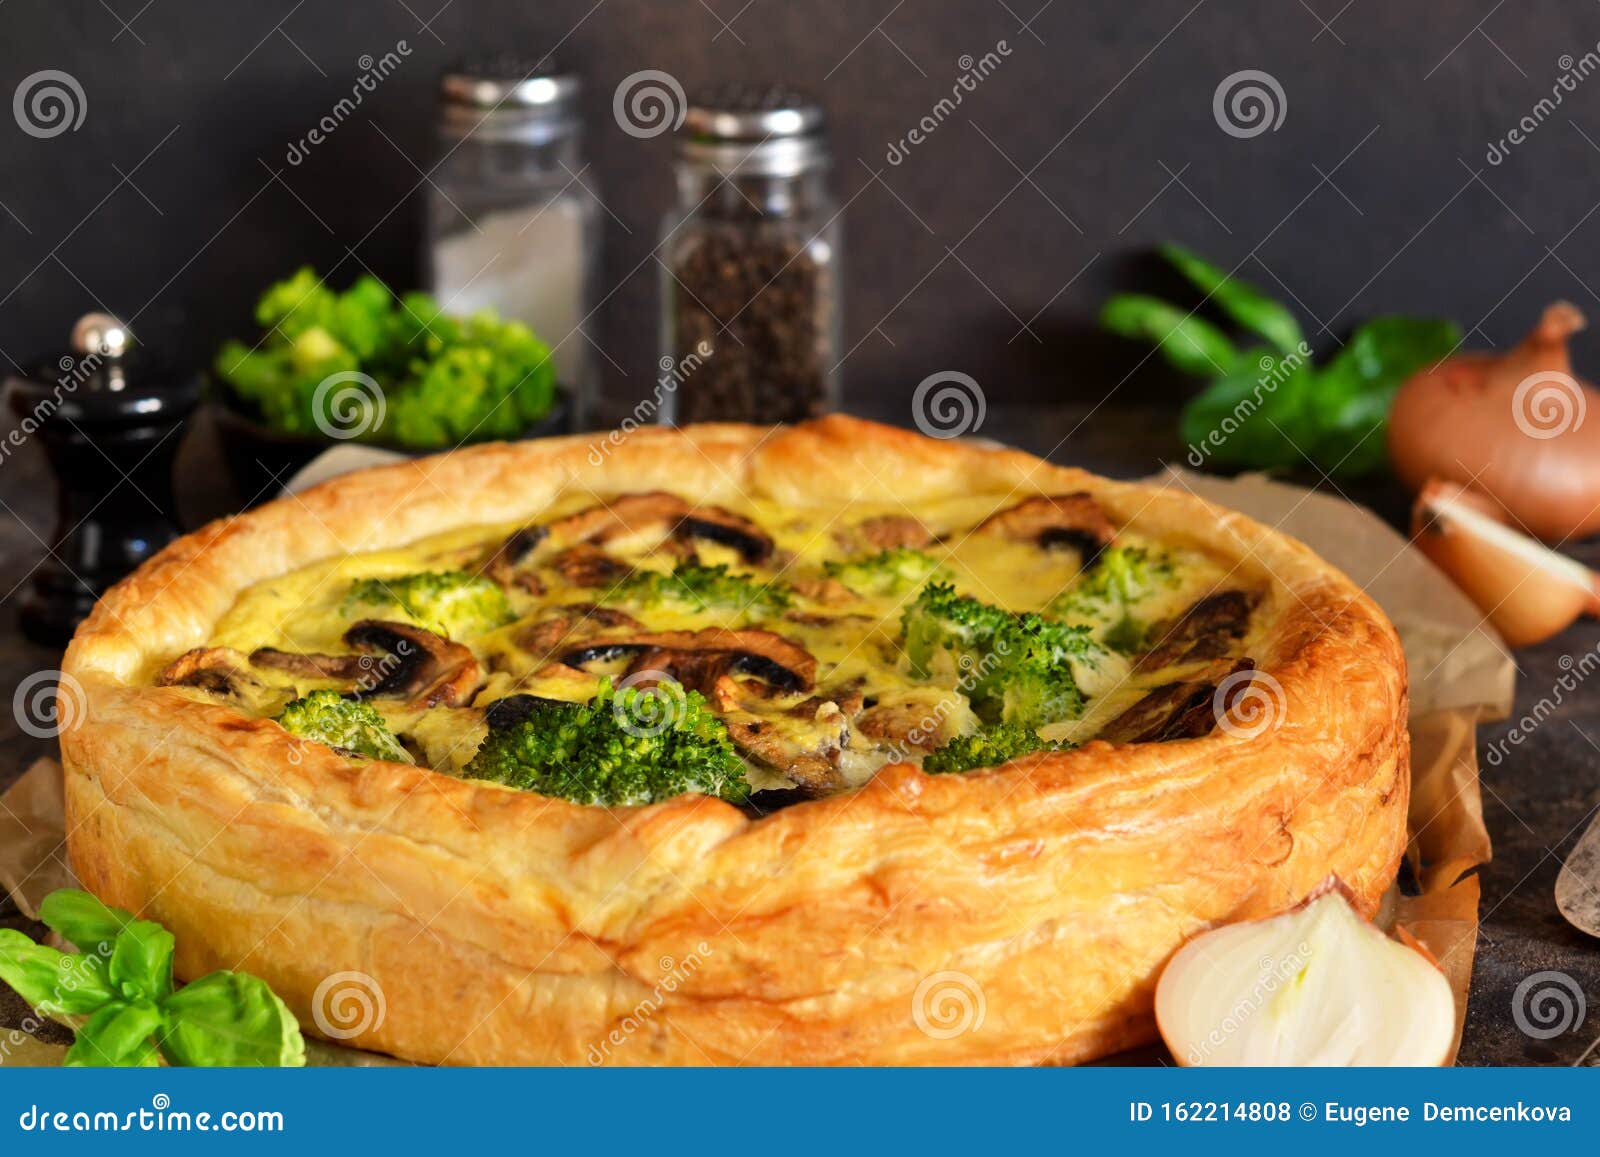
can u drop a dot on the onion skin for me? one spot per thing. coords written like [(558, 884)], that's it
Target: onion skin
[(1517, 426), (1528, 593)]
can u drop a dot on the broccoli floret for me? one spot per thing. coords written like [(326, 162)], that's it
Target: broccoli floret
[(887, 573), (988, 747), (1104, 596), (451, 603), (695, 588), (443, 379), (1013, 667), (346, 724), (623, 747)]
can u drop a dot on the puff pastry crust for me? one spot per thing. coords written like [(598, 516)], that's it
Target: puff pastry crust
[(504, 927)]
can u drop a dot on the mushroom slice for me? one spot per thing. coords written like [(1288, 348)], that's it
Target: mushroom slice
[(1183, 710), (635, 514), (514, 709), (341, 668), (805, 753), (1207, 630), (905, 723), (585, 565), (217, 670), (731, 694), (698, 658), (714, 524), (803, 743), (507, 564), (569, 625), (1054, 520), (417, 665), (848, 699), (829, 592), (887, 531), (577, 539), (622, 517)]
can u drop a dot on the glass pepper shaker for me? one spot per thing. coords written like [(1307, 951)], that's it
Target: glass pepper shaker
[(750, 256), (513, 219)]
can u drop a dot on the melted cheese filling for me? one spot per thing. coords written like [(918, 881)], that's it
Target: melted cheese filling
[(855, 640)]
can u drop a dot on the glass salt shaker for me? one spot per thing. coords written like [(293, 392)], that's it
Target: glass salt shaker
[(513, 221), (750, 256)]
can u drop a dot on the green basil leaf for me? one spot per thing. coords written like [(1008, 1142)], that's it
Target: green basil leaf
[(1353, 392), (1190, 343), (1387, 350), (1240, 300), (141, 961), (231, 1018), (1254, 418), (1349, 418), (81, 919), (119, 1035), (53, 982)]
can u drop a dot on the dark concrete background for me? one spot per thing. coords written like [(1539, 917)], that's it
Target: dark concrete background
[(1093, 140)]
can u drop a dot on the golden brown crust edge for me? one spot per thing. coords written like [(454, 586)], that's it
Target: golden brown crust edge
[(503, 927)]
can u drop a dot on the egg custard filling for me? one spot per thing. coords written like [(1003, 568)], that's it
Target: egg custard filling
[(754, 652)]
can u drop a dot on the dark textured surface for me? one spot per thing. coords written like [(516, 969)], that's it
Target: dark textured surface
[(987, 250), (1535, 801)]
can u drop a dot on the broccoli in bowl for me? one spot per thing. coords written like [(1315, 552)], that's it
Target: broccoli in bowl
[(365, 364)]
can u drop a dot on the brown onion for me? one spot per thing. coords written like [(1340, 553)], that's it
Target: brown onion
[(1515, 426), (1527, 591)]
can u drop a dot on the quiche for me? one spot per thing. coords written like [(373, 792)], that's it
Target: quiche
[(731, 745)]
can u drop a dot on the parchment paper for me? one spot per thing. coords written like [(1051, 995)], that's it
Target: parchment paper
[(1460, 673)]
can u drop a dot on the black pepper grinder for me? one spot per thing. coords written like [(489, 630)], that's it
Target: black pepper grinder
[(109, 422)]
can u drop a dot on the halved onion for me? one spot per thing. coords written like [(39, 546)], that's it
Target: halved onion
[(1317, 985), (1528, 591)]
